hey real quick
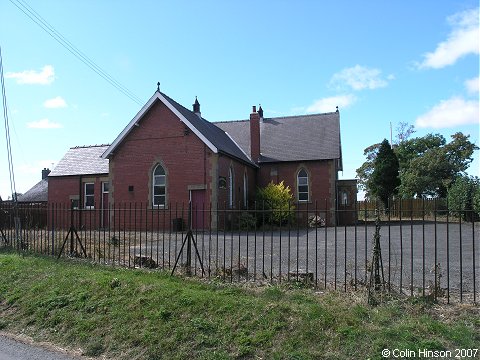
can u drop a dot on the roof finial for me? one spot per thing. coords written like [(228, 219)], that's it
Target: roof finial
[(260, 111), (158, 86), (337, 108), (196, 107)]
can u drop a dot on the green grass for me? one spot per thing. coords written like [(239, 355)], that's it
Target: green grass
[(133, 314)]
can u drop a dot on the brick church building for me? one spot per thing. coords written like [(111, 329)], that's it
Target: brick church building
[(168, 154)]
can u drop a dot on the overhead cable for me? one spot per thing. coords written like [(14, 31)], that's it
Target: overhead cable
[(57, 36), (13, 188)]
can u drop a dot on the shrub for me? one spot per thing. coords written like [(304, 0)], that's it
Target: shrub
[(247, 221), (276, 202)]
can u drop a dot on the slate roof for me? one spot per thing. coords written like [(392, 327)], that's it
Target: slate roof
[(291, 138), (38, 193), (214, 134), (215, 138), (82, 160)]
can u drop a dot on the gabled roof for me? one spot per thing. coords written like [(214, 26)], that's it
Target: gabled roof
[(38, 193), (291, 138), (82, 160), (214, 137)]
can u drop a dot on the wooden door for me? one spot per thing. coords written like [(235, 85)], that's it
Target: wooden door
[(199, 209)]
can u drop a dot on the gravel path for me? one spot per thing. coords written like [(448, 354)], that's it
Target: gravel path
[(338, 256)]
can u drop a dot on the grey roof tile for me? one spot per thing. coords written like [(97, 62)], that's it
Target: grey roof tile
[(291, 138), (82, 160), (213, 133), (38, 193)]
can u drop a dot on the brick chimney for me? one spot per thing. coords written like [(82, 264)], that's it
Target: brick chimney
[(45, 173), (255, 135)]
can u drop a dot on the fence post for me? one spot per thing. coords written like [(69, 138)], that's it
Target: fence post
[(189, 241), (53, 230), (72, 241)]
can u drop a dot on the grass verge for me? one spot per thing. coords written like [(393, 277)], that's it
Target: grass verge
[(133, 314)]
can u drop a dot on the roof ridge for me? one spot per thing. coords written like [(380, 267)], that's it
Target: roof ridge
[(187, 109), (89, 146), (228, 121), (305, 115), (276, 117)]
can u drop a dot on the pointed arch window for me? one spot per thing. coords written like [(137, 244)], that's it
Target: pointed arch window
[(231, 187), (245, 190), (302, 185), (159, 186)]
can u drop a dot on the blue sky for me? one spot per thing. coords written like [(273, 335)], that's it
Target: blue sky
[(381, 62)]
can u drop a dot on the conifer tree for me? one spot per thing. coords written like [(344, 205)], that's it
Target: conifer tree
[(384, 181)]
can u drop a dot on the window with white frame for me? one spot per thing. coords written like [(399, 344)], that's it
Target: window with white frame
[(302, 185), (231, 187), (89, 195), (159, 186)]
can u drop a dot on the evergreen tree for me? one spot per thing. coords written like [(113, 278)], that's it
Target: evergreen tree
[(384, 181)]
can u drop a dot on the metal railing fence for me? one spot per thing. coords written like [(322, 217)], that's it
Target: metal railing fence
[(426, 250)]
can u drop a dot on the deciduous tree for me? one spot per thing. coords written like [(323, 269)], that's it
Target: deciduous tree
[(428, 165)]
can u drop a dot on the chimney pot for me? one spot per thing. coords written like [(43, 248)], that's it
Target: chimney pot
[(45, 173), (254, 109)]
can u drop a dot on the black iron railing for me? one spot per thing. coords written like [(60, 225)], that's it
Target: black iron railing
[(426, 249)]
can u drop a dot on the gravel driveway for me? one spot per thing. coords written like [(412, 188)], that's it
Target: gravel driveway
[(336, 256)]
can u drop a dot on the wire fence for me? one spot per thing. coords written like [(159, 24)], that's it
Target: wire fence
[(426, 250)]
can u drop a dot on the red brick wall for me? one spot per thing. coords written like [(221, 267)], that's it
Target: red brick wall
[(62, 189), (159, 138), (322, 177), (239, 169)]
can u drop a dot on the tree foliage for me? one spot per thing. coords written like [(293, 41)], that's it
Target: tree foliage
[(404, 131), (464, 196), (384, 180), (365, 171), (277, 202), (428, 165)]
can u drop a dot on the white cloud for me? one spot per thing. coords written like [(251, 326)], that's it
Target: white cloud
[(450, 113), (44, 77), (329, 104), (359, 78), (472, 85), (462, 40), (44, 124), (57, 102)]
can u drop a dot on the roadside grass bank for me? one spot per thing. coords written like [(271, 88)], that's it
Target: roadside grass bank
[(134, 314)]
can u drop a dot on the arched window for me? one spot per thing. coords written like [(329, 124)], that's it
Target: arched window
[(302, 185), (231, 187), (159, 186), (245, 190)]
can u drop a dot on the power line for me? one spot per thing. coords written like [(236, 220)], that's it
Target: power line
[(7, 133), (57, 36)]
